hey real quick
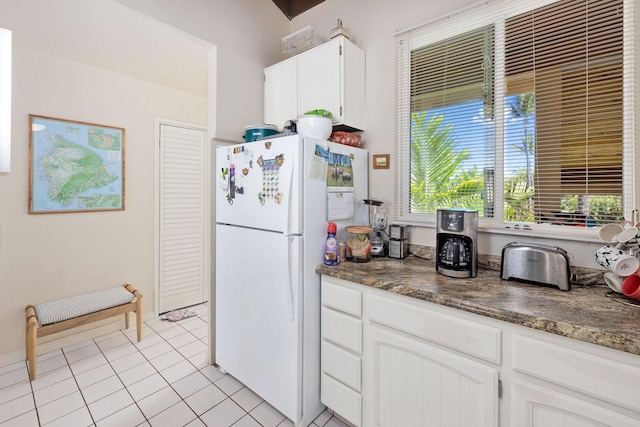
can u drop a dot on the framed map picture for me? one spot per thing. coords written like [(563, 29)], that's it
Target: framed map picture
[(74, 166)]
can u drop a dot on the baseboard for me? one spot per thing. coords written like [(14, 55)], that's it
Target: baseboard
[(114, 324)]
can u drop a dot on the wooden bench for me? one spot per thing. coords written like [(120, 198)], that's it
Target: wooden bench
[(56, 316)]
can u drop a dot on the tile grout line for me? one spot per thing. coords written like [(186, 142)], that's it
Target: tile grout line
[(158, 372), (228, 396), (197, 370), (79, 391), (33, 394), (135, 402)]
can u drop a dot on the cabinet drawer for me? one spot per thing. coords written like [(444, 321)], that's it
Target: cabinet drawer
[(605, 379), (341, 298), (468, 337), (341, 365), (341, 399), (342, 330)]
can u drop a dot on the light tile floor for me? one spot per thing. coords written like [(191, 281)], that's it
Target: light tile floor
[(113, 380)]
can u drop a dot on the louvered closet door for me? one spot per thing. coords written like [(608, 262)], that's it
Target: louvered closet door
[(183, 218)]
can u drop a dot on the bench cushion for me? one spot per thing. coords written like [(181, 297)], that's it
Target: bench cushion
[(68, 308)]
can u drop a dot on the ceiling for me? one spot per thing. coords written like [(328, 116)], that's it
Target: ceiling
[(293, 8)]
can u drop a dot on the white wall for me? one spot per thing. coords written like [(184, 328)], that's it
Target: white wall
[(247, 34)]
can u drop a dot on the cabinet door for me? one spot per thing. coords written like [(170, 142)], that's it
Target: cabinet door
[(538, 406), (319, 84), (415, 384), (281, 92)]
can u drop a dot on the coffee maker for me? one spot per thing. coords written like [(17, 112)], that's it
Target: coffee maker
[(457, 242)]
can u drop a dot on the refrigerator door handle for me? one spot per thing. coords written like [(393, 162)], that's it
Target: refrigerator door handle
[(287, 222), (289, 289)]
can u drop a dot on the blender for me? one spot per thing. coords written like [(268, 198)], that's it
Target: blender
[(376, 218)]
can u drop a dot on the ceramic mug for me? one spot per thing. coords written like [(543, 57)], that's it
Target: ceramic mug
[(609, 232), (629, 239), (616, 260), (628, 234), (631, 286), (613, 281)]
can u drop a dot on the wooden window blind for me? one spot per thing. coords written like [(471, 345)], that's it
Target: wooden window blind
[(567, 57)]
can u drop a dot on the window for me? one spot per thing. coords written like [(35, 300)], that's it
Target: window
[(5, 100), (520, 111)]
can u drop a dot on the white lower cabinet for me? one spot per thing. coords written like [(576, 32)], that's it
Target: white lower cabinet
[(555, 385), (414, 384), (394, 361), (538, 405), (409, 381)]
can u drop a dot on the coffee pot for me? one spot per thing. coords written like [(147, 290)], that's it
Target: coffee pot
[(454, 253)]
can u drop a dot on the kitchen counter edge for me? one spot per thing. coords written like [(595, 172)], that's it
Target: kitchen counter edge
[(585, 313)]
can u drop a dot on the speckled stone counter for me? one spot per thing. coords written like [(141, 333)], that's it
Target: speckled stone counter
[(585, 313)]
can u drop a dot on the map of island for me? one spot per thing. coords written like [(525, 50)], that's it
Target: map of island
[(73, 169), (75, 166)]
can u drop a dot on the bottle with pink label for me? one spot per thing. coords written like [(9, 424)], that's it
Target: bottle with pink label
[(331, 247)]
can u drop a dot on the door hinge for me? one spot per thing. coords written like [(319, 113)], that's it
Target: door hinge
[(499, 389), (340, 50), (341, 111)]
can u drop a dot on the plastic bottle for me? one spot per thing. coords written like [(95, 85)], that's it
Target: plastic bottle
[(331, 248)]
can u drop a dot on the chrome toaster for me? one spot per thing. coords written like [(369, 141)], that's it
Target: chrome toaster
[(536, 263)]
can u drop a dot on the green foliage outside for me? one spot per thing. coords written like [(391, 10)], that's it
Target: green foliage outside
[(519, 190), (437, 177), (602, 209), (518, 198)]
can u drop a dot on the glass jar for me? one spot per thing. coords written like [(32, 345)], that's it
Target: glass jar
[(358, 243)]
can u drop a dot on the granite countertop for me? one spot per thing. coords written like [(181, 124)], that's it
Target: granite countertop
[(585, 313)]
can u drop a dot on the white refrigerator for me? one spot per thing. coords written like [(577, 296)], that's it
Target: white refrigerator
[(273, 201)]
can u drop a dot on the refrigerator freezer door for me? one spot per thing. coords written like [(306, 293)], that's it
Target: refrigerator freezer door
[(258, 185), (258, 324)]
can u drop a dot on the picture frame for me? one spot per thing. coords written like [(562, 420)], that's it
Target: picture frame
[(75, 166), (381, 161)]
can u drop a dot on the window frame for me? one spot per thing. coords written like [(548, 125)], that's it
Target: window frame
[(496, 13)]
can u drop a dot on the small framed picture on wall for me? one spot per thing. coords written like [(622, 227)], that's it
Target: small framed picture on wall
[(381, 161)]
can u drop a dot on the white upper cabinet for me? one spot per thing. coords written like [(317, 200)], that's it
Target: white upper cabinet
[(330, 77), (320, 85), (281, 92)]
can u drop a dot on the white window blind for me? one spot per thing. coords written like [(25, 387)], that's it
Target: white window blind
[(451, 103), (521, 111)]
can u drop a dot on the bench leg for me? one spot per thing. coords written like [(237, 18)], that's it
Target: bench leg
[(126, 321), (31, 341), (138, 310), (32, 352), (139, 318)]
